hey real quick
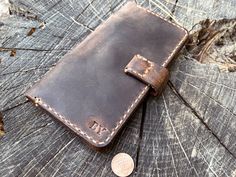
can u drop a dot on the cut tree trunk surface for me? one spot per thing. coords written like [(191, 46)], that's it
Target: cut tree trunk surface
[(190, 130)]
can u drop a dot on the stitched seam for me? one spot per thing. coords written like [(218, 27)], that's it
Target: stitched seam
[(146, 69), (142, 76), (75, 128)]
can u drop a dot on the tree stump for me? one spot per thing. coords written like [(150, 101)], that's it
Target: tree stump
[(188, 131)]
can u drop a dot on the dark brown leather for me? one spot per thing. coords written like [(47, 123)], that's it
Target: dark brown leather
[(148, 72), (88, 90)]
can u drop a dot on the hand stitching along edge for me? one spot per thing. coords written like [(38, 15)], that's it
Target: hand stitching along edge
[(145, 71)]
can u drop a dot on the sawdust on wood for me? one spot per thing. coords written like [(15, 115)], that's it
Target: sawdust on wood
[(32, 30)]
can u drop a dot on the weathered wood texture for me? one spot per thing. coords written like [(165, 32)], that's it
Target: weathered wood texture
[(188, 131)]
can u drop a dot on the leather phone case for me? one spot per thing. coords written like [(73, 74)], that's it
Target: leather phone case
[(96, 86)]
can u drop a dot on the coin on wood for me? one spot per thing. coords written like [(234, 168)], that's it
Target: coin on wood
[(122, 165)]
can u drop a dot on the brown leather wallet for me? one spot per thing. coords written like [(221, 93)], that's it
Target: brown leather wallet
[(96, 86)]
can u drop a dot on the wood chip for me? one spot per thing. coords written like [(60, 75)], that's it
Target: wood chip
[(13, 53), (32, 30), (122, 165), (42, 25), (1, 125)]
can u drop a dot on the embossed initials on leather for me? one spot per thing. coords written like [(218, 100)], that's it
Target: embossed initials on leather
[(97, 128), (90, 79)]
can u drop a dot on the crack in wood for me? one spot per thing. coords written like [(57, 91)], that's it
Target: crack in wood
[(191, 164), (172, 87), (28, 70), (37, 129), (14, 87), (2, 49), (174, 7), (216, 101), (144, 107), (2, 132), (15, 106)]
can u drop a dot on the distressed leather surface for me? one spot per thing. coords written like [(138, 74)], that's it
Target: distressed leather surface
[(88, 90)]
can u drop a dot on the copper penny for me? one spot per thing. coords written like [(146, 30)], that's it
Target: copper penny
[(122, 164)]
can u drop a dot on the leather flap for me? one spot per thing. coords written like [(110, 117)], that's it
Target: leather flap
[(148, 72)]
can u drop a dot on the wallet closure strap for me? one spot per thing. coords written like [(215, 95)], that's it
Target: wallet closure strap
[(148, 72)]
